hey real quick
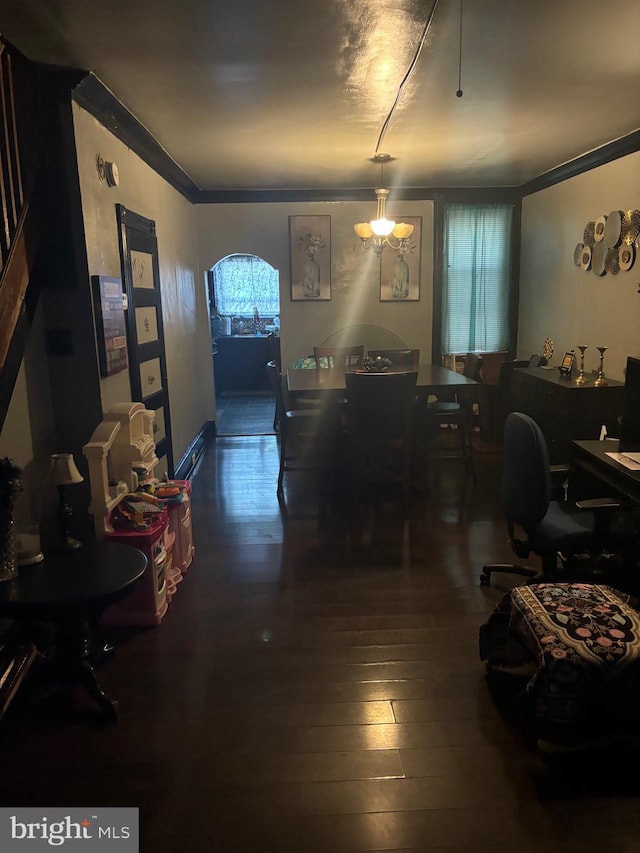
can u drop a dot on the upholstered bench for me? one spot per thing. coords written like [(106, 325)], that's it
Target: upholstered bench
[(582, 644)]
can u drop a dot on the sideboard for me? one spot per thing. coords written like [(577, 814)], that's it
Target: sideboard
[(563, 410)]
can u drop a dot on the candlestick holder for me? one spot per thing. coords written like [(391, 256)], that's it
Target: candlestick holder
[(601, 381), (581, 379)]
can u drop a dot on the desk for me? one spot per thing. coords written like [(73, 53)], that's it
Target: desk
[(432, 379), (590, 462), (70, 590)]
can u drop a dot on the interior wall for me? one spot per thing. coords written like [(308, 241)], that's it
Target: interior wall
[(558, 299), (263, 229), (184, 310)]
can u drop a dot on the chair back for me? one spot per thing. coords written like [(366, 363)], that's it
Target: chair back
[(526, 478), (275, 381), (339, 358), (406, 358), (472, 366), (381, 406)]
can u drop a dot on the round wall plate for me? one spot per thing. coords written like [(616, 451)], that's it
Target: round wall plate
[(585, 258), (598, 257), (577, 254), (626, 256), (588, 238), (613, 228), (600, 225)]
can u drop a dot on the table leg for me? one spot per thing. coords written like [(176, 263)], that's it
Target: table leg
[(73, 644)]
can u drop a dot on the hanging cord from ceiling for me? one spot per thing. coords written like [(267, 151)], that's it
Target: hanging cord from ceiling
[(408, 74), (460, 93)]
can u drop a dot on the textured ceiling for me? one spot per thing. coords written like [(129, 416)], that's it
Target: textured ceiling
[(275, 94)]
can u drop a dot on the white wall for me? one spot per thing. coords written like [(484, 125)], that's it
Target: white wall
[(558, 299), (184, 310), (263, 229)]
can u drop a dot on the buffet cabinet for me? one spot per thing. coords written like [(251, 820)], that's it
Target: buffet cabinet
[(563, 410)]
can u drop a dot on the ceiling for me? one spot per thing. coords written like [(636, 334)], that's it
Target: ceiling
[(293, 94)]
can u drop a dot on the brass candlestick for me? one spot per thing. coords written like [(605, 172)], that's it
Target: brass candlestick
[(601, 381), (581, 379)]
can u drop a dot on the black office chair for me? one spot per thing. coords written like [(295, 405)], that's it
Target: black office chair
[(550, 527)]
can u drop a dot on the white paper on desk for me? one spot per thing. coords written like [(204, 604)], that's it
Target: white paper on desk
[(625, 460)]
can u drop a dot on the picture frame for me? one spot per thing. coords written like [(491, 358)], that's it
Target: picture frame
[(400, 268), (567, 364), (310, 258), (111, 330)]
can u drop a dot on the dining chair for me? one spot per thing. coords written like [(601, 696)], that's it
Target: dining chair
[(340, 358), (458, 414), (409, 359), (380, 420), (305, 435)]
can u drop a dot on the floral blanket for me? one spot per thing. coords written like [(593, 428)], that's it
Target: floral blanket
[(585, 640)]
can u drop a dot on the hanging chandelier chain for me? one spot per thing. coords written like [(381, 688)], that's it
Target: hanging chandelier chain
[(407, 75)]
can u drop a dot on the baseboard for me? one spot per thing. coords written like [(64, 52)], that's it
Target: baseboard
[(189, 460)]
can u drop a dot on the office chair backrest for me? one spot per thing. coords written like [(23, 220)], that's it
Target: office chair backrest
[(526, 478)]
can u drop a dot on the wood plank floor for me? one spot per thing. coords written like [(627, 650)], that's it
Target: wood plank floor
[(316, 686)]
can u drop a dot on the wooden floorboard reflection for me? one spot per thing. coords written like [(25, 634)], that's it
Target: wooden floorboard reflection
[(315, 685)]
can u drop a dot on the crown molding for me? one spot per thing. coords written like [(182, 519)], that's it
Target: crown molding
[(93, 96)]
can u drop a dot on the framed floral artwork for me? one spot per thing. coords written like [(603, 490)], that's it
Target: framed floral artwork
[(310, 258), (400, 268)]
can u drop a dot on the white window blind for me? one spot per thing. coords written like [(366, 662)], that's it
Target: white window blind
[(244, 282), (476, 275)]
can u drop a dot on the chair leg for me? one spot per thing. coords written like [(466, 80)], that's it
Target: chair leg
[(506, 568)]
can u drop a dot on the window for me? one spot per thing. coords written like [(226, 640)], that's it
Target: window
[(476, 276), (242, 283)]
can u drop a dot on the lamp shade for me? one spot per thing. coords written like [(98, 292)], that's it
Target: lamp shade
[(64, 469)]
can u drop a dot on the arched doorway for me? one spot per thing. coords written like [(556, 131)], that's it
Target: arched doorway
[(244, 298)]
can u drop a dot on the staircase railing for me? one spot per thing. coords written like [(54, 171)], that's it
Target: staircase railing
[(20, 220)]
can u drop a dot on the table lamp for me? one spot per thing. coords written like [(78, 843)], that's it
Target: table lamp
[(65, 473)]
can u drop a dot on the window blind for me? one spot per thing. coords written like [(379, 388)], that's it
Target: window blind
[(476, 276)]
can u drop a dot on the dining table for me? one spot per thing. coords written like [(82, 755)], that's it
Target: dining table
[(433, 379)]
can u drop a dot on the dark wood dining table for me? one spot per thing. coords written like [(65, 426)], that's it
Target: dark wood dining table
[(432, 379)]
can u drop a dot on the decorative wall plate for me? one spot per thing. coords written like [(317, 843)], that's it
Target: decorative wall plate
[(598, 257), (585, 258), (577, 254), (630, 226), (611, 262), (626, 256), (613, 228), (601, 222), (588, 238)]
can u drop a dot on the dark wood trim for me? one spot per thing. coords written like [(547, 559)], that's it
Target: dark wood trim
[(93, 96), (192, 454), (605, 154)]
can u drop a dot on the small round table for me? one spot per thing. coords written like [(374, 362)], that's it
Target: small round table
[(70, 590)]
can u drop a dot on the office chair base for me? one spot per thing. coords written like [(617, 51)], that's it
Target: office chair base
[(506, 568)]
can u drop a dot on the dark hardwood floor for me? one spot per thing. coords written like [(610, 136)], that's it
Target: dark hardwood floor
[(315, 686)]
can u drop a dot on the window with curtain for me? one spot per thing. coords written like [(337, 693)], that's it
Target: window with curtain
[(242, 283), (476, 278)]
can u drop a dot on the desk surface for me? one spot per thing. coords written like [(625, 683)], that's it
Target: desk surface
[(90, 576), (431, 378), (591, 457)]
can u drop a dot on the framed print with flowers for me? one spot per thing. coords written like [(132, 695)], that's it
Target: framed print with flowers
[(400, 268), (310, 254)]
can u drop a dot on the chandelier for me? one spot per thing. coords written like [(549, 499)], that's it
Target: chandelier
[(382, 232)]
